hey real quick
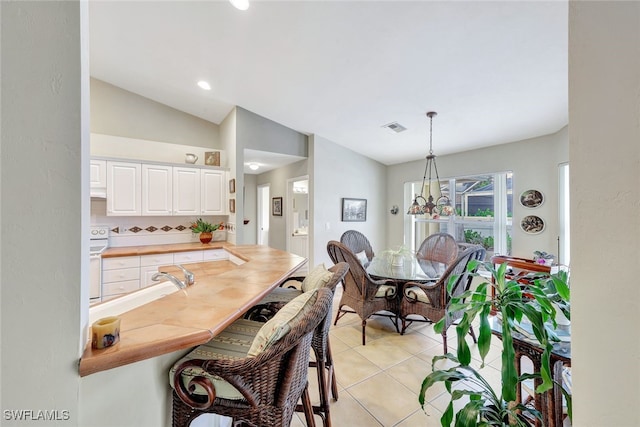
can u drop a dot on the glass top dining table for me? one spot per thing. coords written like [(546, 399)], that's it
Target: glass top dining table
[(410, 270)]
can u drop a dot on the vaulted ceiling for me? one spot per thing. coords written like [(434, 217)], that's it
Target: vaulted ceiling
[(495, 72)]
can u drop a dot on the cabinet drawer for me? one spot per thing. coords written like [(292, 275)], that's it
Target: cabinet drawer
[(215, 255), (120, 287), (184, 257), (121, 274), (156, 259), (147, 272), (120, 262)]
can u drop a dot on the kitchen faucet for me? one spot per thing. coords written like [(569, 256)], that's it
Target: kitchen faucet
[(173, 279), (189, 277)]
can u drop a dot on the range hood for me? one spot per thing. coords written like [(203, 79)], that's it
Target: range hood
[(98, 193)]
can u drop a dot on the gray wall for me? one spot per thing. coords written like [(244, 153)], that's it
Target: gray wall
[(115, 111), (534, 163), (604, 82), (277, 179), (338, 172), (45, 196), (259, 133)]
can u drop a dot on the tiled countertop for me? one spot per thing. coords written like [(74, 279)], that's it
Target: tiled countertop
[(163, 249), (222, 293)]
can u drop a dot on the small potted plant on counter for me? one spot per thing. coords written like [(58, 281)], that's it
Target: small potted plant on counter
[(205, 229)]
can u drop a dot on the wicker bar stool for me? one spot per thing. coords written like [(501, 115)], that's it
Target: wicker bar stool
[(257, 380), (293, 287)]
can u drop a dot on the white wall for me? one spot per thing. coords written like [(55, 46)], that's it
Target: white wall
[(337, 172), (604, 135), (115, 111), (44, 163), (534, 163)]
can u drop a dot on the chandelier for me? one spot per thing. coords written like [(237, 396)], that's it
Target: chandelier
[(420, 205)]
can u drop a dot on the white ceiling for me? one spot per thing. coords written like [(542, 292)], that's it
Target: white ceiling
[(495, 72)]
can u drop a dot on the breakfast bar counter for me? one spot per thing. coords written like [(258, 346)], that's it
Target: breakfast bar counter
[(222, 292)]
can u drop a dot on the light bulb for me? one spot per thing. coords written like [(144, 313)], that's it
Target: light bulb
[(240, 4), (204, 85), (253, 166)]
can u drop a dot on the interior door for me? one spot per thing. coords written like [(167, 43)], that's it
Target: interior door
[(263, 214), (298, 217)]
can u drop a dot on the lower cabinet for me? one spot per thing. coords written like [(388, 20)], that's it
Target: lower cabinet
[(149, 266), (121, 275)]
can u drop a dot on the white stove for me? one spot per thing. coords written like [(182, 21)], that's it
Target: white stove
[(99, 239), (98, 242)]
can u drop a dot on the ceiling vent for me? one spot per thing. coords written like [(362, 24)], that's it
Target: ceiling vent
[(395, 126)]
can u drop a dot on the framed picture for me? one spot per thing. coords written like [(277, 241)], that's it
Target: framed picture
[(531, 198), (532, 224), (212, 158), (232, 205), (354, 210), (276, 206), (232, 186)]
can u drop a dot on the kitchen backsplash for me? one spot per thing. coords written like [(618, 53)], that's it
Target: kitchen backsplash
[(149, 230)]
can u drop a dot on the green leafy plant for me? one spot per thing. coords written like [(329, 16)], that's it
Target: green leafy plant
[(201, 226), (514, 301)]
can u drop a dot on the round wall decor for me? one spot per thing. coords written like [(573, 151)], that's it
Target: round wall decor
[(531, 198), (532, 224)]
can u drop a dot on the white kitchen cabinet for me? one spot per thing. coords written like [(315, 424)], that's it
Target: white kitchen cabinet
[(149, 265), (157, 190), (186, 191), (123, 189), (215, 255), (98, 175), (187, 257), (120, 275), (213, 193)]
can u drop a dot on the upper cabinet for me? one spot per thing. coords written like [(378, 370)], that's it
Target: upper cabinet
[(98, 175), (213, 192), (186, 191), (123, 188), (157, 190), (135, 189)]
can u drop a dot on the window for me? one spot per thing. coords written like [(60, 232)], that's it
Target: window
[(483, 212)]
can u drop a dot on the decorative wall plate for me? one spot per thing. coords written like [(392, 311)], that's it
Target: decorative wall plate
[(532, 224), (531, 198)]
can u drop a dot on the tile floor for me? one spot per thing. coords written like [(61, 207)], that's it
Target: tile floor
[(379, 383)]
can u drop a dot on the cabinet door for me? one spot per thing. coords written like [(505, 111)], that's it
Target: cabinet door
[(212, 197), (157, 190), (186, 191), (123, 189), (98, 174)]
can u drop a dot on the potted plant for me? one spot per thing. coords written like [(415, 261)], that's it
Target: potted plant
[(205, 229), (537, 305)]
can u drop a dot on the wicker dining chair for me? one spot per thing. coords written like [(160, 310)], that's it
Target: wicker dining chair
[(359, 245), (260, 390), (291, 288), (438, 247), (364, 295), (430, 300)]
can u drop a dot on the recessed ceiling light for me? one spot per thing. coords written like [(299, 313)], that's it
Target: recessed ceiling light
[(254, 166), (204, 85), (240, 4)]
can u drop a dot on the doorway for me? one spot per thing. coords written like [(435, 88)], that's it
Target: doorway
[(297, 219), (263, 214)]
